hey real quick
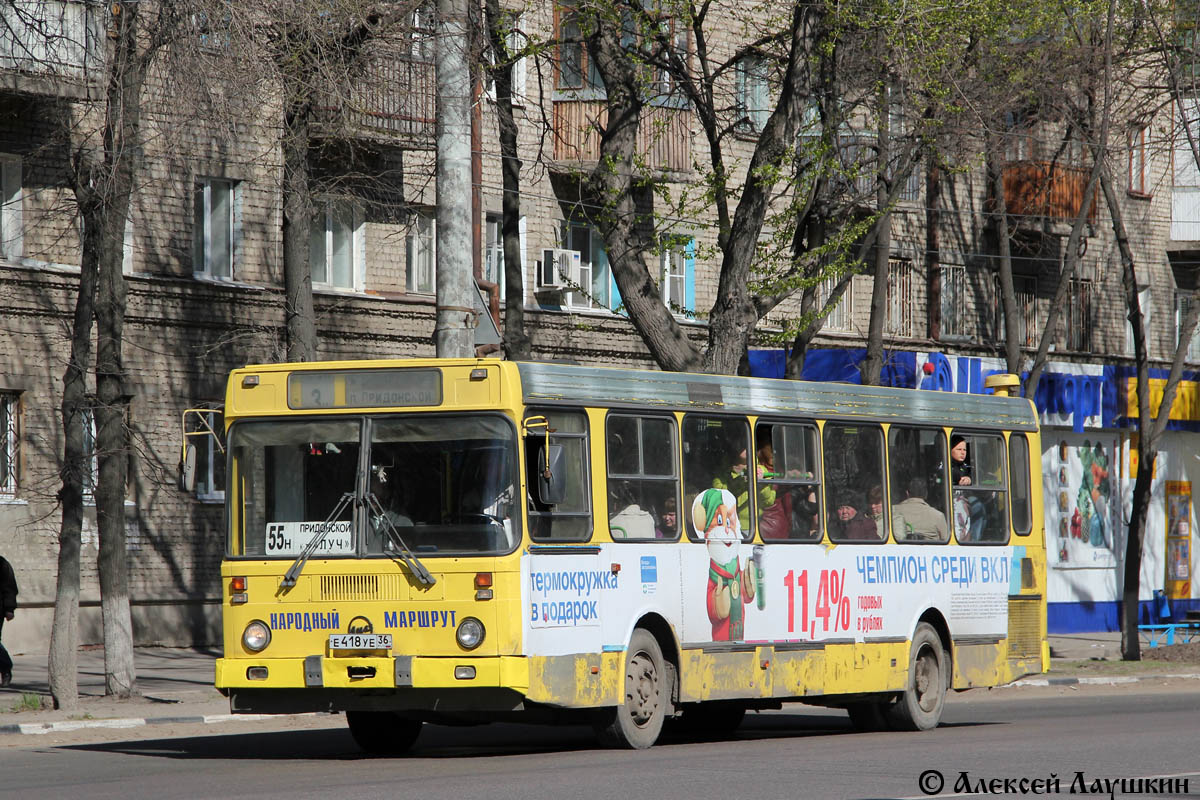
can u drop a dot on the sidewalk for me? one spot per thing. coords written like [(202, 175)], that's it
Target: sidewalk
[(176, 685)]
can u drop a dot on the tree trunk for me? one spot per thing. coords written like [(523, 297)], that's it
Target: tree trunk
[(933, 249), (872, 365), (297, 221), (517, 346), (1008, 296), (734, 314), (114, 186), (64, 634)]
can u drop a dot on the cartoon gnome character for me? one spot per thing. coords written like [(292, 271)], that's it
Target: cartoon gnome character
[(715, 518)]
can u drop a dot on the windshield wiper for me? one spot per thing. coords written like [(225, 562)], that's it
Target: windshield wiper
[(289, 577), (406, 554)]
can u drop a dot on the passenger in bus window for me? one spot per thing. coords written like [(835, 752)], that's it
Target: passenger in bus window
[(849, 523), (631, 521), (875, 510), (737, 482), (668, 520), (969, 513), (914, 519), (793, 515), (960, 462)]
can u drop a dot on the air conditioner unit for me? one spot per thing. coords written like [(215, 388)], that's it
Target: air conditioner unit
[(557, 268)]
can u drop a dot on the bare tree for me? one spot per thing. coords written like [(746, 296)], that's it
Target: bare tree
[(103, 137), (318, 52)]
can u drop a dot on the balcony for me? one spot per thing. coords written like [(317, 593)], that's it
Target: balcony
[(392, 99), (664, 135), (51, 48), (1038, 191)]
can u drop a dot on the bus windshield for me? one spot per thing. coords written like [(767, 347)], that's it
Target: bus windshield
[(440, 485)]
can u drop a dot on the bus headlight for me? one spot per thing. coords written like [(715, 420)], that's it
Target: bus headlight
[(469, 633), (256, 637)]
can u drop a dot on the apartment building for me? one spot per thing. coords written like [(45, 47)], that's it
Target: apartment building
[(203, 267)]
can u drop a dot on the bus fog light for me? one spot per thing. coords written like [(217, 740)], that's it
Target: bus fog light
[(257, 636), (469, 633), (256, 673), (464, 673)]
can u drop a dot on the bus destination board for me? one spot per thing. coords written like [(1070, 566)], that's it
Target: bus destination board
[(376, 388)]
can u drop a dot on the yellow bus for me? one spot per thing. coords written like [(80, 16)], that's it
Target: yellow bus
[(454, 541)]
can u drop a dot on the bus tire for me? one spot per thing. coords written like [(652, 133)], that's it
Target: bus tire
[(715, 719), (920, 705), (869, 716), (636, 723), (383, 733)]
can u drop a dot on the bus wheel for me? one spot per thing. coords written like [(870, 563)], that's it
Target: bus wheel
[(713, 719), (868, 716), (920, 706), (637, 722), (383, 733)]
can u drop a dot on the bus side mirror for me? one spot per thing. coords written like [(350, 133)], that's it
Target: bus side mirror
[(552, 475), (187, 469)]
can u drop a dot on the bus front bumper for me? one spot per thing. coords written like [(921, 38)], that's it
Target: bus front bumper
[(373, 672)]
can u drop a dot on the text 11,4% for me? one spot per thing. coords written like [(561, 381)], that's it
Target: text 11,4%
[(831, 606)]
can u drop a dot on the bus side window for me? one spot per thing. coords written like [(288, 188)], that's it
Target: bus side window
[(915, 456), (794, 477), (1018, 471), (979, 490), (716, 455), (853, 478), (643, 486), (571, 519)]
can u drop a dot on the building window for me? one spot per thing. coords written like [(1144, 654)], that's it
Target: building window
[(1081, 315), (91, 470), (126, 243), (901, 319), (210, 455), (576, 70), (593, 288), (1183, 302), (214, 232), (422, 33), (954, 301), (493, 254), (752, 98), (515, 41), (1025, 289), (677, 279), (421, 253), (333, 239), (665, 84), (11, 225), (10, 443), (841, 318), (1138, 141)]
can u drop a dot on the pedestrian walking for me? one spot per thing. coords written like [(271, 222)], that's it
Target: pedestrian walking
[(8, 605)]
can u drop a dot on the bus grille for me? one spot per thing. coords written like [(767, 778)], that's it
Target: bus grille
[(1024, 627), (362, 587)]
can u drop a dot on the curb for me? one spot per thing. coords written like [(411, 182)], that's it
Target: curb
[(137, 722), (1101, 681)]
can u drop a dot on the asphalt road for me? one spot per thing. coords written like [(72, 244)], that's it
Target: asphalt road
[(1032, 733)]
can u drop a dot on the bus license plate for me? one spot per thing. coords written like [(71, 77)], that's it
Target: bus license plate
[(360, 641)]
